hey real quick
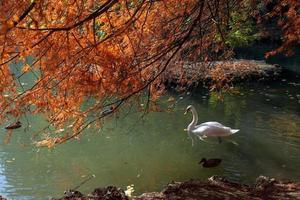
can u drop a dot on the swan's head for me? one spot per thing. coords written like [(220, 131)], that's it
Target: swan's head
[(188, 109)]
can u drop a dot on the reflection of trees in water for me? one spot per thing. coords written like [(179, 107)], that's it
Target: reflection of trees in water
[(32, 172), (286, 124), (262, 102), (264, 142), (229, 105)]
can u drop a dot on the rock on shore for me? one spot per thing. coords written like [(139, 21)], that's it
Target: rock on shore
[(106, 193)]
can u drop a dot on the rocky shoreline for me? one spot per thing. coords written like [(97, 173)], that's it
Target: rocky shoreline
[(215, 188)]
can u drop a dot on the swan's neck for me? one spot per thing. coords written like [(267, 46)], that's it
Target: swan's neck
[(195, 119)]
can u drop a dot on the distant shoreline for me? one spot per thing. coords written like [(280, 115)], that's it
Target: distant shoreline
[(237, 70)]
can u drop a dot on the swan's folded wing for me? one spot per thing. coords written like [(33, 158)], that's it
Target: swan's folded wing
[(200, 129), (210, 130), (215, 124)]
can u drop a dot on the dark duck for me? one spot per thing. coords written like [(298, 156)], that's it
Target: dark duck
[(214, 162), (15, 125)]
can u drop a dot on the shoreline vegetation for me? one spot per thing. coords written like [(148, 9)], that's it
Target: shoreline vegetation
[(184, 74), (215, 188)]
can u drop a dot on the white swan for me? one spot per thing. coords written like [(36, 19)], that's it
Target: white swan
[(206, 129)]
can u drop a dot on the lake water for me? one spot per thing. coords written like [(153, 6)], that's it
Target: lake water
[(153, 151)]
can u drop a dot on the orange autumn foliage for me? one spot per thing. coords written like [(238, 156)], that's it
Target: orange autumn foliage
[(287, 13), (106, 51)]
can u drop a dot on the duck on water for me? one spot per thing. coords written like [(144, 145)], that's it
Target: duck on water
[(15, 125), (209, 163)]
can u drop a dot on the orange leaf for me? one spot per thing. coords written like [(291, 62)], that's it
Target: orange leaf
[(26, 68)]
